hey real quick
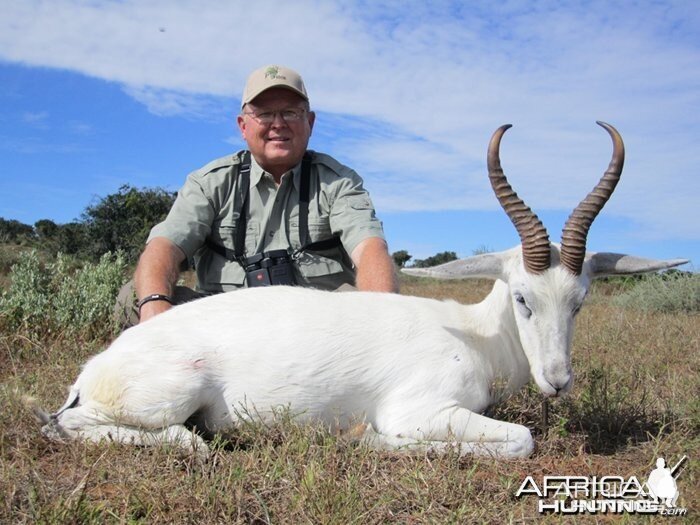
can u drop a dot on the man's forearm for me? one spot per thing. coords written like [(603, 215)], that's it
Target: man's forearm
[(375, 267), (157, 273)]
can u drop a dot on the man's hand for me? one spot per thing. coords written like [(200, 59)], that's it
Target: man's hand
[(375, 267)]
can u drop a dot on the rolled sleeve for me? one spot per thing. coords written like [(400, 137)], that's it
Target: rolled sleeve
[(352, 213), (189, 221)]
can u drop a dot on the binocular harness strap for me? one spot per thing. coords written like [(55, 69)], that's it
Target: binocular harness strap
[(304, 214), (244, 184), (238, 253)]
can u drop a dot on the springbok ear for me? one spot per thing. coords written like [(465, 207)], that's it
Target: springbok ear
[(602, 264), (487, 266)]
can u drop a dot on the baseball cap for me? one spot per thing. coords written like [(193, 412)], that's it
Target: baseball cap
[(272, 76)]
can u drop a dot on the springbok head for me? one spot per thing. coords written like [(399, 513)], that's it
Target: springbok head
[(546, 282)]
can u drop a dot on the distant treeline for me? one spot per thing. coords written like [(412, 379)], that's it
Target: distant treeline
[(402, 257), (121, 222), (118, 222)]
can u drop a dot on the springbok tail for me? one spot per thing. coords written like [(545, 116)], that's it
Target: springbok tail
[(31, 403), (50, 426)]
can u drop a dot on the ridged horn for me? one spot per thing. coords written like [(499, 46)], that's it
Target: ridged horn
[(533, 235), (573, 239)]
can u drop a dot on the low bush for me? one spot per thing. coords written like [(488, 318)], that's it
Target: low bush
[(676, 292), (62, 297), (9, 256)]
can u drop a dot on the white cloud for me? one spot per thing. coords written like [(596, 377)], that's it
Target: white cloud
[(38, 120), (36, 146), (78, 127), (168, 103), (415, 88)]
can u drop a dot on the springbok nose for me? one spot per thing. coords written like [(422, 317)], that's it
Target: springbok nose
[(554, 391), (561, 384), (559, 381)]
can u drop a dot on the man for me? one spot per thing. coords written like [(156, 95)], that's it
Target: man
[(223, 223)]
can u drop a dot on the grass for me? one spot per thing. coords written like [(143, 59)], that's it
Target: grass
[(635, 399), (664, 293)]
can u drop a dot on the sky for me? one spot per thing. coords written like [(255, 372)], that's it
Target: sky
[(96, 94)]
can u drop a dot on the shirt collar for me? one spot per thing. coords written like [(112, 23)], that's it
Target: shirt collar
[(257, 173)]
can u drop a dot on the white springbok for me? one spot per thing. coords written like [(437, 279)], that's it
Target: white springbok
[(417, 372)]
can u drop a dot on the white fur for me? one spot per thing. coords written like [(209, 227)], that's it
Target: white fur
[(417, 371)]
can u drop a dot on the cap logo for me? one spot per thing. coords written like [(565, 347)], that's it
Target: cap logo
[(272, 73)]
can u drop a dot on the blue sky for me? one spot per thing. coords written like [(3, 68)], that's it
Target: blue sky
[(97, 94)]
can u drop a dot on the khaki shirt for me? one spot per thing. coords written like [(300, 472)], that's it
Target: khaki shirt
[(206, 208)]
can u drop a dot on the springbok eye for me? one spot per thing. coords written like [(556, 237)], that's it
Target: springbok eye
[(523, 305), (578, 304)]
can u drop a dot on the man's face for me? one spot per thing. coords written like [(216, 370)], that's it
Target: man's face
[(277, 146)]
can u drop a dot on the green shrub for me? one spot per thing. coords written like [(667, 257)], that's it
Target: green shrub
[(15, 231), (121, 221), (401, 258), (27, 302), (60, 298), (676, 292), (438, 258), (9, 256)]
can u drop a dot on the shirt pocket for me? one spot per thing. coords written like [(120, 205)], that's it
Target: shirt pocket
[(319, 229), (224, 233)]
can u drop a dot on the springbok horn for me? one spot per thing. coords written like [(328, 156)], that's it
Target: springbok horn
[(533, 235), (573, 239)]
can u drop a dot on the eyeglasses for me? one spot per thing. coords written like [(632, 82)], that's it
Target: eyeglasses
[(268, 117)]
